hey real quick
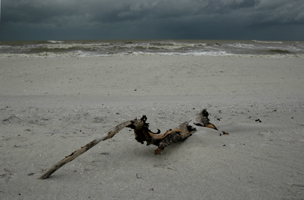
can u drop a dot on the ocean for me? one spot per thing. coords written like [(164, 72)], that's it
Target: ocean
[(89, 48)]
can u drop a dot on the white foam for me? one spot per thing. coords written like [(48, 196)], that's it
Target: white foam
[(267, 42), (55, 41)]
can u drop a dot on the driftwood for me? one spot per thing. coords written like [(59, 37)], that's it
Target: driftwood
[(142, 134)]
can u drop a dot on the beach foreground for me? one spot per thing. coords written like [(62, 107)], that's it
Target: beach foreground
[(50, 107)]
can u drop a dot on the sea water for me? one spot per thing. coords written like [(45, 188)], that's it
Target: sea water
[(89, 48)]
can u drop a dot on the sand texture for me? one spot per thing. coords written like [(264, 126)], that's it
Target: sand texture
[(50, 107)]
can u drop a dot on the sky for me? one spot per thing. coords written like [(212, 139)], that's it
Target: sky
[(152, 19)]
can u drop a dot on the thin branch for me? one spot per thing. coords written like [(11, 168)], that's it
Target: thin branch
[(83, 149)]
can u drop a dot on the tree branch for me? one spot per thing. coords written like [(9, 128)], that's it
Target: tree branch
[(83, 149), (142, 134)]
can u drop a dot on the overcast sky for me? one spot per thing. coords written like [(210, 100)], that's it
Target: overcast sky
[(152, 19)]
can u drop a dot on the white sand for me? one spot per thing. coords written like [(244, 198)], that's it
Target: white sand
[(50, 107)]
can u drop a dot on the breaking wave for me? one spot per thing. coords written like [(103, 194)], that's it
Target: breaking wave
[(53, 48)]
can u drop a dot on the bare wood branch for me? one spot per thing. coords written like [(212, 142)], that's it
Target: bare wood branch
[(83, 149), (142, 134)]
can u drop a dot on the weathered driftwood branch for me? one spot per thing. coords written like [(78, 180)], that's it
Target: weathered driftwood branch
[(142, 134), (203, 120), (83, 149)]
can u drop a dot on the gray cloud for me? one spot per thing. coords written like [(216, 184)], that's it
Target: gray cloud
[(184, 19)]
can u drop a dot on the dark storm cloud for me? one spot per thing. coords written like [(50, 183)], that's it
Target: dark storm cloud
[(104, 19)]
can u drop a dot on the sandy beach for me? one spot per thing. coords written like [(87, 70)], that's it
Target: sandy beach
[(50, 107)]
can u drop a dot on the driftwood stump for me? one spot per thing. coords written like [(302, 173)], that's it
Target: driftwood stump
[(142, 134)]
